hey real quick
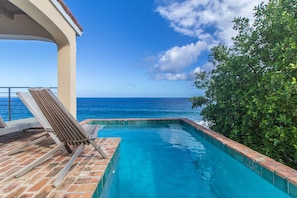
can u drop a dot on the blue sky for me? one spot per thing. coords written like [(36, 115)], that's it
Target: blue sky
[(131, 48)]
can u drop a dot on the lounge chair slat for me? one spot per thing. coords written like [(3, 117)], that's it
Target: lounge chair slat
[(30, 103)]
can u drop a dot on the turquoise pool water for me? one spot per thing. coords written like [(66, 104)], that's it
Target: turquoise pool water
[(171, 162)]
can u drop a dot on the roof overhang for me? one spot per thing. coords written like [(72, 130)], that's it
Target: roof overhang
[(65, 12), (8, 9), (17, 22)]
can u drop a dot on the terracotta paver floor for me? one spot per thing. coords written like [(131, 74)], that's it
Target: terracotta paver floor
[(81, 181)]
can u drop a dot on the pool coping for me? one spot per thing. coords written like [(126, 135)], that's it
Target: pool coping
[(280, 175)]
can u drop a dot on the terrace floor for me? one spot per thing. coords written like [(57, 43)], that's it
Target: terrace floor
[(80, 182)]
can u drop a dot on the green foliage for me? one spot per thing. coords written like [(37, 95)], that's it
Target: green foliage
[(251, 95)]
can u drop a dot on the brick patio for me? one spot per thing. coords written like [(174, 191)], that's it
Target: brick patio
[(80, 182)]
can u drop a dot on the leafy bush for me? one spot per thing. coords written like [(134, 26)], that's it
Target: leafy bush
[(251, 95)]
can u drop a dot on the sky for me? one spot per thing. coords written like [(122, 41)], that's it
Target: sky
[(131, 48)]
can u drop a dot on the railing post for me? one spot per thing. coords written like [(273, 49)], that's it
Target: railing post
[(13, 109), (9, 103)]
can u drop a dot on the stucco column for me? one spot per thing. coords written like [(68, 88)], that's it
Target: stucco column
[(67, 76)]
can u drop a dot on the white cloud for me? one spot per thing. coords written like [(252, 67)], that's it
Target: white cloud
[(204, 19), (208, 21), (190, 76), (172, 63), (178, 58), (171, 76), (207, 67), (197, 70)]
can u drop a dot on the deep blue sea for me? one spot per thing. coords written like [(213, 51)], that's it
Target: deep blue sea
[(136, 108), (116, 108)]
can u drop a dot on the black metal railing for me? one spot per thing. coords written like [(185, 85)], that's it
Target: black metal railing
[(11, 107)]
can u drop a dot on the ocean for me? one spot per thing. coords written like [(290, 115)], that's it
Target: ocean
[(136, 108), (115, 108)]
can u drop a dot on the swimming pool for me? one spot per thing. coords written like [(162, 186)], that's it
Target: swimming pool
[(169, 160)]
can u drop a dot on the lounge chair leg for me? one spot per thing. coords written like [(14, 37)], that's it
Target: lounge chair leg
[(98, 149), (37, 161), (28, 144), (63, 172)]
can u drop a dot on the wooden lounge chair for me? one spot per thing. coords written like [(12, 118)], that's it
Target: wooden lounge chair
[(66, 128)]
